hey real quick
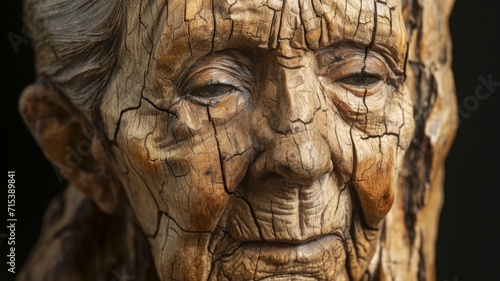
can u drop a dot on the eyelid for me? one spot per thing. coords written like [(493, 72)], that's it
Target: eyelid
[(343, 60), (224, 91), (351, 80), (209, 76), (227, 68), (357, 64), (349, 69)]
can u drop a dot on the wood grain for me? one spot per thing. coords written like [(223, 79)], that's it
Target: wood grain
[(241, 140)]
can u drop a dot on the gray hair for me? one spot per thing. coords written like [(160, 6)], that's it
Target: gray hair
[(76, 46)]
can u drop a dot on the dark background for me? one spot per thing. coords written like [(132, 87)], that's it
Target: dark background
[(467, 245)]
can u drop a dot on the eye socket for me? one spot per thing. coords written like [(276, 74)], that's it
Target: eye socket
[(212, 90), (360, 80)]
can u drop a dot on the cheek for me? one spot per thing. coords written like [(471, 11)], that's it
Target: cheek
[(368, 140), (138, 191), (185, 170), (379, 157), (193, 185), (375, 176), (235, 147)]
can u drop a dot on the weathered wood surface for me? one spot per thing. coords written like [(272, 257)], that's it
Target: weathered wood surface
[(241, 140)]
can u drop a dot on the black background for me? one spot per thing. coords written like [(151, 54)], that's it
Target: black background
[(467, 246)]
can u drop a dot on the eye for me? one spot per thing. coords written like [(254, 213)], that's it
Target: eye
[(360, 80), (212, 90)]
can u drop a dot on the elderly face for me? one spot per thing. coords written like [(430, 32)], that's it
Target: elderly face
[(261, 139)]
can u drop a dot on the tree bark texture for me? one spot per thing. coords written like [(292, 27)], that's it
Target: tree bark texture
[(241, 140), (412, 225)]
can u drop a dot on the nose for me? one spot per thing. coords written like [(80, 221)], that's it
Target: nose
[(295, 148), (300, 158)]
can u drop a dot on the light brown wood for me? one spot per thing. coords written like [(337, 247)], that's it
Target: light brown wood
[(241, 140)]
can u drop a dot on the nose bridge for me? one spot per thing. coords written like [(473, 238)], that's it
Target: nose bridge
[(298, 99), (296, 150)]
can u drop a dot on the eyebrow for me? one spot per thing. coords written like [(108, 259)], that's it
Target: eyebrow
[(248, 24)]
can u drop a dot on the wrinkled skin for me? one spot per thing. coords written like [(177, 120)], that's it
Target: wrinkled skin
[(261, 141)]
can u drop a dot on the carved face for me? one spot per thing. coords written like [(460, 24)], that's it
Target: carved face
[(261, 139)]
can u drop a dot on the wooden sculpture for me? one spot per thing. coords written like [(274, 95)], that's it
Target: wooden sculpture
[(241, 139)]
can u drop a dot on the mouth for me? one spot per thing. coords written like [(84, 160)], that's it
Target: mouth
[(281, 253), (322, 258)]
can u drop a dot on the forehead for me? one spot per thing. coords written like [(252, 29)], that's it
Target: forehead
[(195, 27)]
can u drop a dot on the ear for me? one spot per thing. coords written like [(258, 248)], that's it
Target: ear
[(64, 136)]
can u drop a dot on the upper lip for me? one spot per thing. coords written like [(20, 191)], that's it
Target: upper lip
[(291, 242)]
